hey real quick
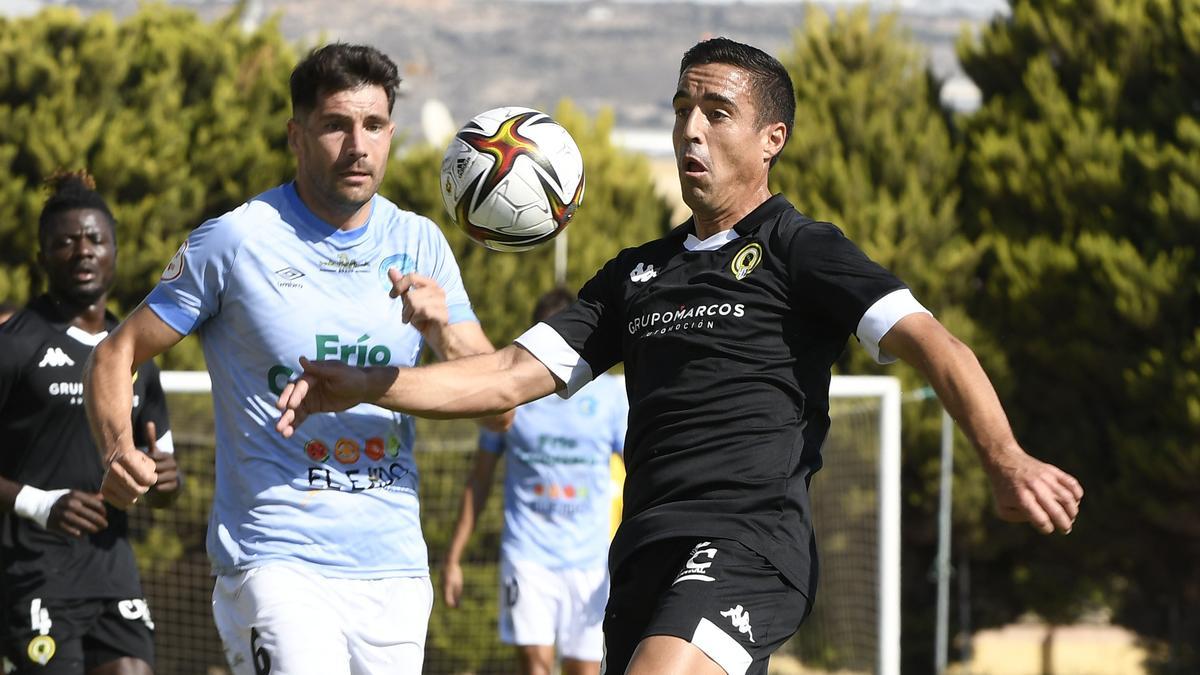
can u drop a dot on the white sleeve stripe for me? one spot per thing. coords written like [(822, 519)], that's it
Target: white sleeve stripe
[(552, 350), (166, 443), (880, 318)]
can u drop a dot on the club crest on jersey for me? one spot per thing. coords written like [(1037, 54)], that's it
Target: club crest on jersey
[(746, 260), (642, 273), (41, 649), (174, 269), (401, 262)]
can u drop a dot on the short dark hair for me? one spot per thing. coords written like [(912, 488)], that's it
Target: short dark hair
[(338, 67), (772, 86), (71, 190), (552, 302)]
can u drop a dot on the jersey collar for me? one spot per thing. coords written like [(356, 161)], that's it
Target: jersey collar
[(765, 212), (316, 224)]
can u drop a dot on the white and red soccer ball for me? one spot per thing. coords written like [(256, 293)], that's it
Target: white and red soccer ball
[(512, 178)]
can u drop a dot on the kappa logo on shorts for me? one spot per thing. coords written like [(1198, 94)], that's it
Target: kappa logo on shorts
[(694, 569), (741, 620)]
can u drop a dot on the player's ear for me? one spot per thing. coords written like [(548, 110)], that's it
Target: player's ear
[(774, 136), (293, 134)]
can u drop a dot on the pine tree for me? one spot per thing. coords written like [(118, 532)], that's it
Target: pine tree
[(1082, 188), (178, 119), (872, 153)]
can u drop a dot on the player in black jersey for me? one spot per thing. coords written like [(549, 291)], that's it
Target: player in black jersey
[(70, 598), (728, 327)]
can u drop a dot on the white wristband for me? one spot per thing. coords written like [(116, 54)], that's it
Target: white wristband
[(35, 504)]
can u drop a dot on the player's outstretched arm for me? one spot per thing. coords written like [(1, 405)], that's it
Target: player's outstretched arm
[(1025, 489), (108, 395), (425, 308), (486, 384), (474, 499)]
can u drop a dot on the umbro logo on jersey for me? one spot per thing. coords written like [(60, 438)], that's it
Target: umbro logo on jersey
[(741, 620), (695, 569), (289, 278), (642, 273), (55, 357)]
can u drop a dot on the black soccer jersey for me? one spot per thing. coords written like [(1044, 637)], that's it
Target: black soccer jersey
[(47, 444), (727, 358)]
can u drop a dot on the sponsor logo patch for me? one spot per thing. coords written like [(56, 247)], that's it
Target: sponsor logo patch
[(696, 569), (174, 269)]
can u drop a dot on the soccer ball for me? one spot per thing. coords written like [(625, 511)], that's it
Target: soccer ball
[(512, 178)]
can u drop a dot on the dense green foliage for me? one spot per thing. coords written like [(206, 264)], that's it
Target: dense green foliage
[(1055, 230), (1082, 187), (872, 153), (178, 119)]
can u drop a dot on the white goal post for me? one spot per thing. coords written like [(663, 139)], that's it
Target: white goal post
[(883, 389), (887, 390)]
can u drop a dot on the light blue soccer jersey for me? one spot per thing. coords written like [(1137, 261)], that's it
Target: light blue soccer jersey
[(557, 483), (261, 286)]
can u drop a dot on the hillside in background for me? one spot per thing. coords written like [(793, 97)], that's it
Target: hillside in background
[(472, 55)]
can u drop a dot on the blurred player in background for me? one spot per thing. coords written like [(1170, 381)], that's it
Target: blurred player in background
[(316, 540), (557, 519), (70, 595)]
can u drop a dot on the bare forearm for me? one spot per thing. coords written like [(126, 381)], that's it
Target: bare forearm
[(473, 500), (485, 384), (953, 371), (108, 395), (969, 397)]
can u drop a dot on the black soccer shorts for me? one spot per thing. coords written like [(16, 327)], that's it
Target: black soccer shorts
[(68, 637), (717, 594)]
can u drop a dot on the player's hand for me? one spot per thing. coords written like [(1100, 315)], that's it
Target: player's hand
[(77, 513), (452, 584), (166, 489), (130, 474), (169, 477), (424, 302), (1032, 491), (325, 386)]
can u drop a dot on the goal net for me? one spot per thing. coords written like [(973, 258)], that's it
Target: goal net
[(854, 627)]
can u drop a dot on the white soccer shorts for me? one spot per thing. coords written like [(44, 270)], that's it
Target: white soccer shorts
[(539, 606), (290, 620)]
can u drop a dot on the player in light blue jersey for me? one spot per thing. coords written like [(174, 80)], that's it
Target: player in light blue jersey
[(557, 516), (316, 541)]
